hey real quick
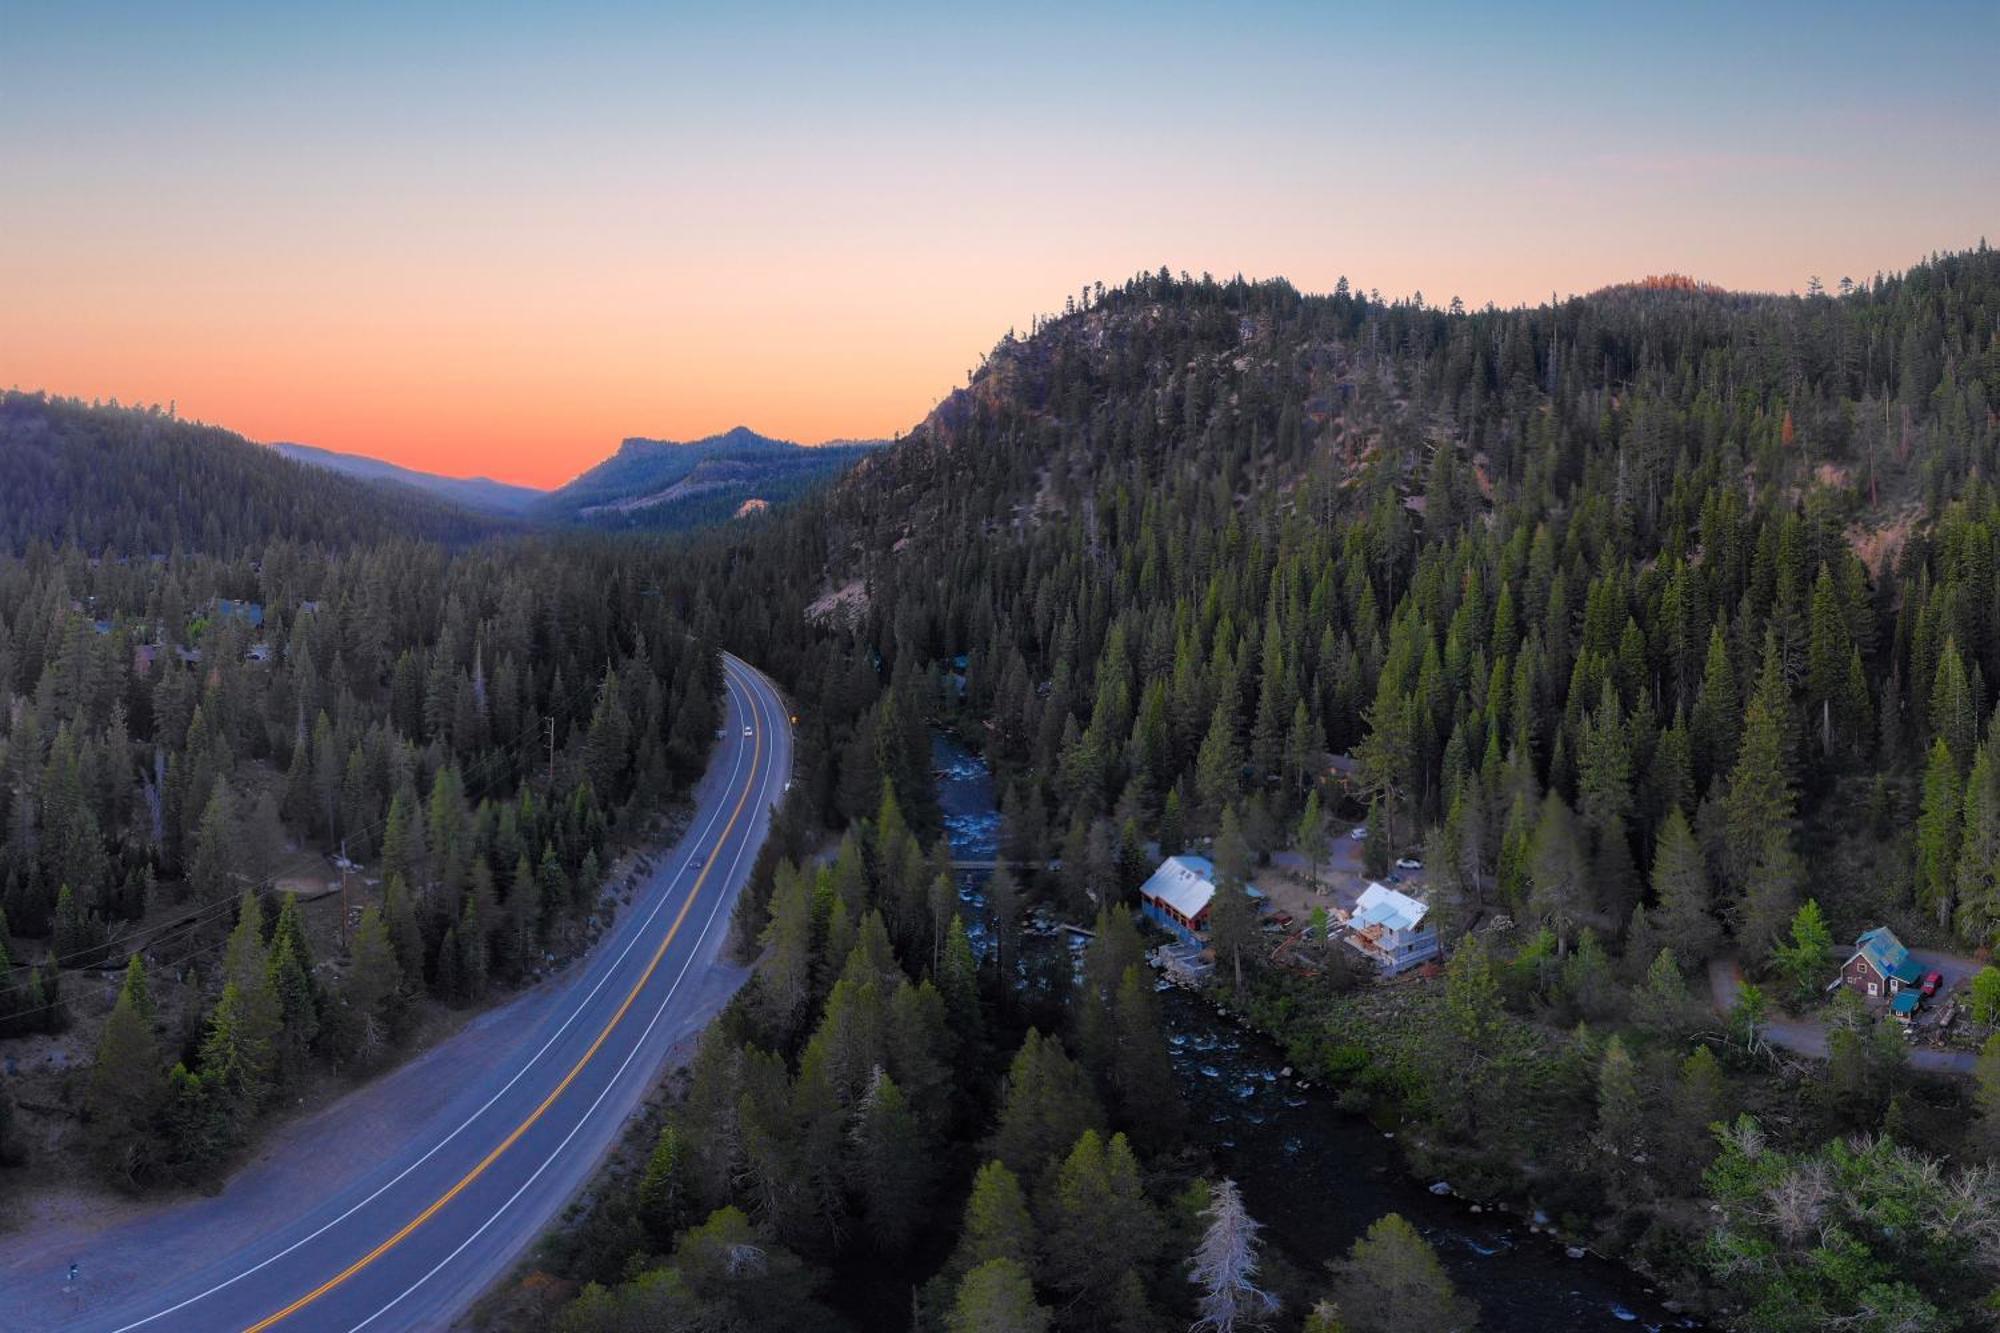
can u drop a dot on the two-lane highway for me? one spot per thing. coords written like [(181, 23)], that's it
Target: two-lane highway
[(396, 1206)]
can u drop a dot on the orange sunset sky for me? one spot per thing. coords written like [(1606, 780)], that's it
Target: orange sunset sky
[(497, 242)]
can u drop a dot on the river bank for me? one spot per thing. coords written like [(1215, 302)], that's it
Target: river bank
[(1317, 1174)]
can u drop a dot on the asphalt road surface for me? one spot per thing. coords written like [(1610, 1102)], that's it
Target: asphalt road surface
[(397, 1206)]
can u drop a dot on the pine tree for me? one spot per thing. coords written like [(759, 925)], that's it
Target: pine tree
[(1046, 1102), (1471, 1032), (298, 1009), (1716, 710), (1312, 837), (1621, 1107), (1986, 995), (666, 1192), (1804, 960), (1100, 1228), (1004, 904), (1392, 1282), (126, 1084), (246, 966), (1684, 914), (958, 982), (233, 1078), (1232, 915), (403, 854), (372, 988), (1976, 881), (211, 874), (1559, 894), (785, 972), (997, 1297), (1761, 861), (889, 1166), (1953, 709), (1173, 825), (1142, 1077), (290, 929), (1698, 1105), (996, 1224), (1225, 1265), (78, 934), (1938, 833), (1376, 847), (399, 921), (1986, 1095), (1219, 764), (1662, 1003)]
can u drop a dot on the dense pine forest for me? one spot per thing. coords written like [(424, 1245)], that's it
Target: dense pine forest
[(195, 735), (1661, 623), (141, 482)]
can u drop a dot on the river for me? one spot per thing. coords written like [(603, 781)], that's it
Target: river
[(1316, 1176)]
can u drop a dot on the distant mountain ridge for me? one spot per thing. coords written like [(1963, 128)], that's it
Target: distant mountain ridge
[(481, 494), (666, 484), (142, 481)]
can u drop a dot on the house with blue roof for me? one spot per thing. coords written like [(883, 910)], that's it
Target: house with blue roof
[(1880, 967)]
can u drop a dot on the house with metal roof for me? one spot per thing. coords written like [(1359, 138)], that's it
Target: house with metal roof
[(1389, 929), (1178, 895), (1880, 966)]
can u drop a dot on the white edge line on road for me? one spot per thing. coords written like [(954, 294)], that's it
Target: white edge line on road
[(639, 1045), (505, 1088)]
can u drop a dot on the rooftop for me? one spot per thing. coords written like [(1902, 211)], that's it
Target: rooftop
[(1886, 954), (1184, 883), (1380, 905)]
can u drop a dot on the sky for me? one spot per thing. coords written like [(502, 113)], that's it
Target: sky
[(496, 239)]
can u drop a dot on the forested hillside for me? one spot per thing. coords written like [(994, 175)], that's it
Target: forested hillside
[(482, 495), (137, 482), (189, 741), (1663, 622), (671, 486), (1196, 536)]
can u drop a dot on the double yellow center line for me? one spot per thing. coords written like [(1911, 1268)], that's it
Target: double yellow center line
[(756, 755)]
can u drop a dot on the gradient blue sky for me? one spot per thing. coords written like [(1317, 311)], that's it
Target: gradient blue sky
[(497, 238)]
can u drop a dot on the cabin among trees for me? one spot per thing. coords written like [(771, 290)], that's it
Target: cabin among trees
[(1178, 895), (1880, 966), (1389, 929)]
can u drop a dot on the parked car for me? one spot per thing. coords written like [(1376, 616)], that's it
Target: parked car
[(1359, 832), (1929, 986), (1409, 863)]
